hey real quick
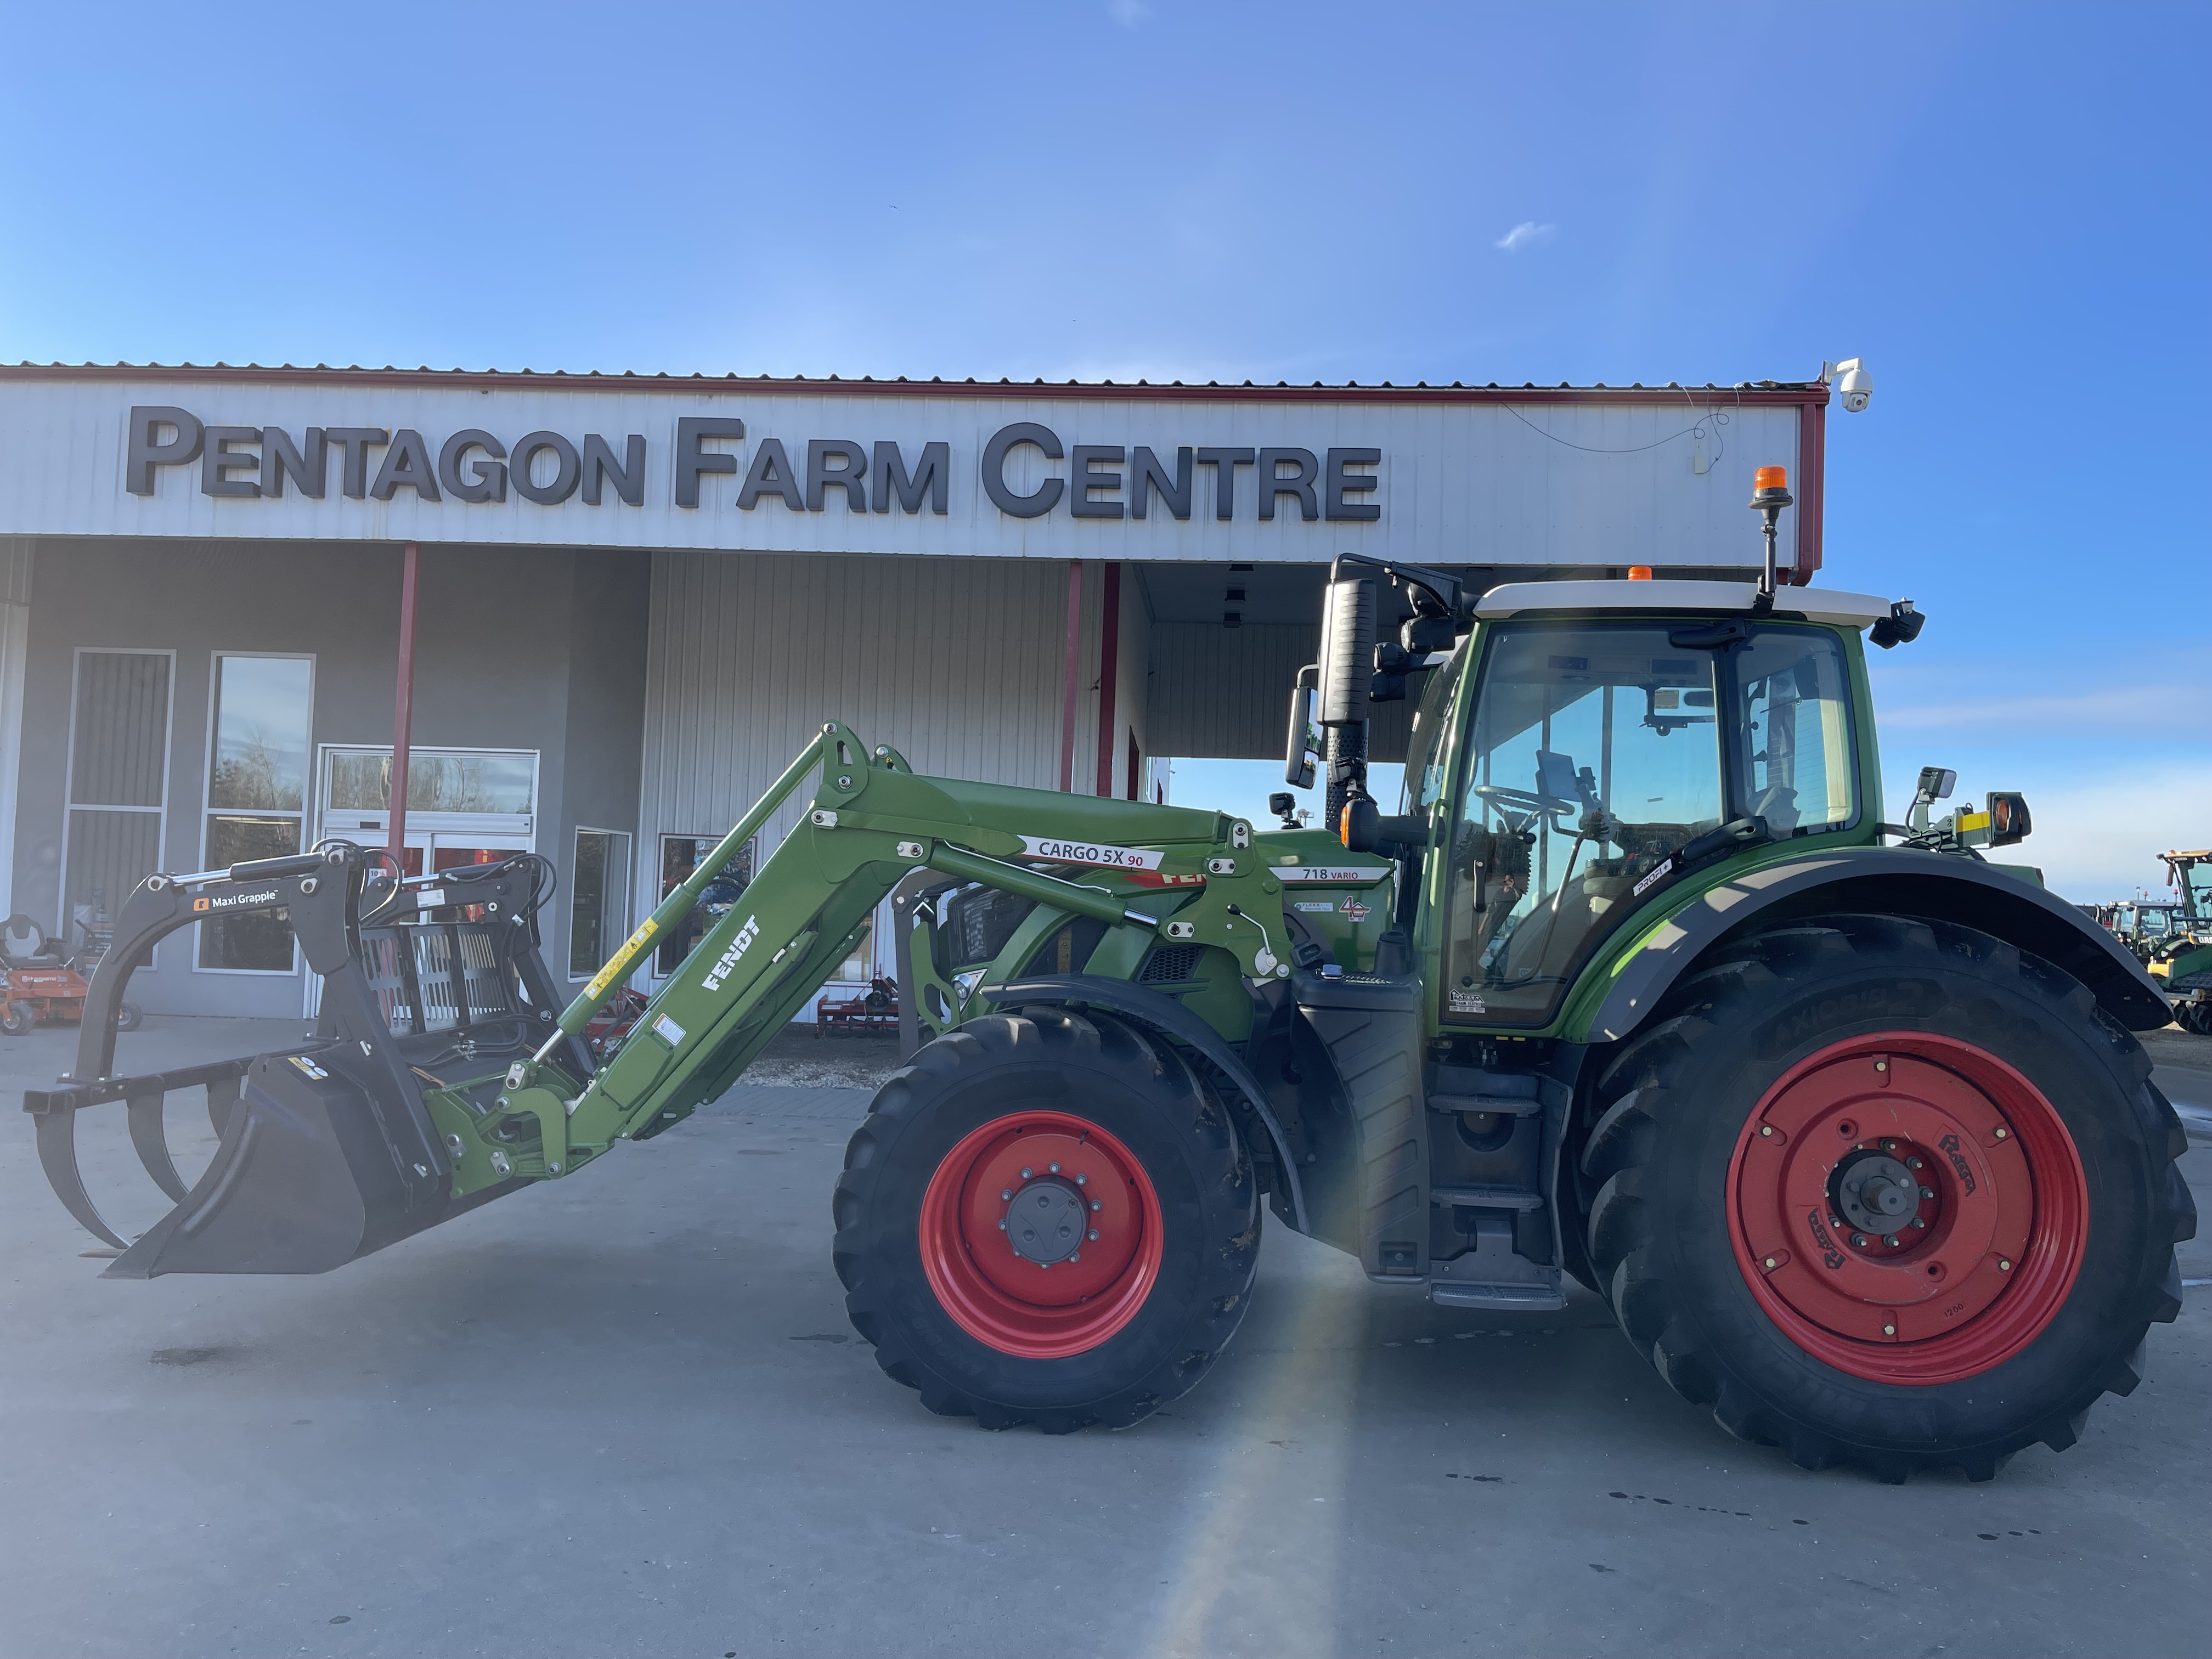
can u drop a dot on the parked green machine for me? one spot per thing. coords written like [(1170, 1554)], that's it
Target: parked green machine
[(1855, 1138), (2183, 962)]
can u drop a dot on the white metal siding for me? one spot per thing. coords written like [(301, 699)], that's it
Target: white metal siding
[(1489, 482), (1225, 693), (955, 665)]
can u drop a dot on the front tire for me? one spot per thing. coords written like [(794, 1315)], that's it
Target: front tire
[(1819, 1090), (1046, 1218), (17, 1018)]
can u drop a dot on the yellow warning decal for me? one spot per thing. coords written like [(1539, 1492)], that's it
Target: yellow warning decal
[(1970, 822), (619, 963)]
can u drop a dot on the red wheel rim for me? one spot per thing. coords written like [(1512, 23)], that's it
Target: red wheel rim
[(1994, 1184), (1044, 1294)]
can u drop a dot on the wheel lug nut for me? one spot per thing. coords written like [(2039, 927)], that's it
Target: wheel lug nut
[(1053, 1167), (1889, 1145), (1927, 1192), (1889, 1330), (1006, 1194), (1002, 1223), (1835, 1221), (1075, 1255), (1096, 1205), (1912, 1162), (1858, 1241), (2001, 1132), (1917, 1222), (2004, 1266), (1081, 1180), (1027, 1173), (1092, 1235), (1891, 1240)]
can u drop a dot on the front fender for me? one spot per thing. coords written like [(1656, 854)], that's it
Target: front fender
[(1164, 1015), (1882, 881)]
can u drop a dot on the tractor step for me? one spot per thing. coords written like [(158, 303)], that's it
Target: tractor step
[(1497, 1105), (1514, 1298), (1485, 1198)]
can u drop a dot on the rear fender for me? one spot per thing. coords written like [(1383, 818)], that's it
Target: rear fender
[(1882, 881), (1169, 1018)]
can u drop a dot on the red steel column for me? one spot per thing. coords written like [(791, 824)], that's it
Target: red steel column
[(1812, 481), (403, 719), (1073, 671), (1109, 652)]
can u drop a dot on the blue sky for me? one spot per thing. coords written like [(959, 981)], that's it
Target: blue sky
[(2002, 208)]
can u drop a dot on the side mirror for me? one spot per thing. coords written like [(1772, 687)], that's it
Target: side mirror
[(1347, 651), (2009, 823), (1302, 743)]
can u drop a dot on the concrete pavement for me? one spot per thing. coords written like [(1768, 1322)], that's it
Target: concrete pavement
[(624, 1415)]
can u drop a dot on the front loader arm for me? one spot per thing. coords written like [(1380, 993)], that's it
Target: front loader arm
[(872, 821)]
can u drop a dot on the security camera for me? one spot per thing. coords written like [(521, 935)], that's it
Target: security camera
[(1852, 383)]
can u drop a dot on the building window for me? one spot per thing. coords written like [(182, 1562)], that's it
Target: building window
[(859, 966), (258, 742), (118, 774), (679, 857), (598, 903)]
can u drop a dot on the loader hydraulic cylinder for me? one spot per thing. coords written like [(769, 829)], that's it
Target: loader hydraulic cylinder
[(681, 902)]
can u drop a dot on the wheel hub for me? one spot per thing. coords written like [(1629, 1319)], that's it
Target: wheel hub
[(1047, 1221), (1877, 1194)]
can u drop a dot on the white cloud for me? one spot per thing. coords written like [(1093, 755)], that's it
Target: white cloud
[(2119, 710), (1527, 233), (1128, 13)]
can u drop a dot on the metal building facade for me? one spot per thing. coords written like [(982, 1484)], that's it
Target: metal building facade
[(660, 653)]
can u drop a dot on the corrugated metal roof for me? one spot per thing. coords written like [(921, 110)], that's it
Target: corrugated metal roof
[(1790, 392)]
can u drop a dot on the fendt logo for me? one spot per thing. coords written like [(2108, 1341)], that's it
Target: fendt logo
[(738, 946)]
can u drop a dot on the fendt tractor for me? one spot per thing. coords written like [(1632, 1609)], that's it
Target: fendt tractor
[(1636, 987)]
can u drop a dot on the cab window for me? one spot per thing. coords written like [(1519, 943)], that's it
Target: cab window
[(1795, 765), (1594, 755), (1427, 755)]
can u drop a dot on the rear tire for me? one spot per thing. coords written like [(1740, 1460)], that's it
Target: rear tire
[(2050, 1212), (1177, 1211), (128, 1015)]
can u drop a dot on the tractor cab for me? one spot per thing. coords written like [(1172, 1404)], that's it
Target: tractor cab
[(1580, 746)]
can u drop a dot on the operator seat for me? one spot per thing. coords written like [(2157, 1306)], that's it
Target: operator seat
[(25, 943)]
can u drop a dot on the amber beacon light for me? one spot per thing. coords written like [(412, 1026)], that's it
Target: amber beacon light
[(1770, 494)]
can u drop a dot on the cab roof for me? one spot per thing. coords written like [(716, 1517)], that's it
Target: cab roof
[(1823, 604)]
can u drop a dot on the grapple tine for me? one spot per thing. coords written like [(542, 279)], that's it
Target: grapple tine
[(152, 1146), (58, 1154), (222, 1100)]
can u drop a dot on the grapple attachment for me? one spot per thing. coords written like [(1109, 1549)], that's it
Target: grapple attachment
[(336, 1148)]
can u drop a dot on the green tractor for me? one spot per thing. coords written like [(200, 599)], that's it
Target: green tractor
[(1855, 1138), (2182, 960)]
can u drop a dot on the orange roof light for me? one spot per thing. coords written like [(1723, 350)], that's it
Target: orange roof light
[(1639, 573), (1771, 477)]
